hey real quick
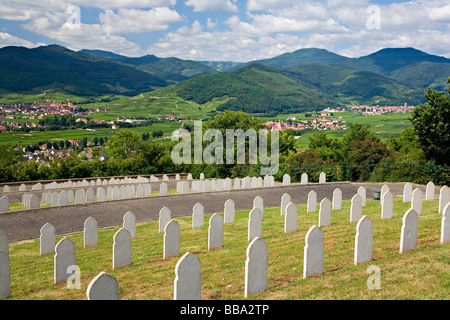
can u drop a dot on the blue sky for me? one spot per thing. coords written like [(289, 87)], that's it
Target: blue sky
[(229, 30)]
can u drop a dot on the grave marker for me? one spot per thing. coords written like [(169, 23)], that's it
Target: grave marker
[(122, 248), (47, 239), (363, 240), (408, 237), (290, 218), (285, 199), (445, 224), (313, 252), (416, 201), (255, 224), (129, 223), (5, 275), (311, 205), (256, 267), (229, 211), (407, 192), (215, 232), (103, 287), (337, 199), (188, 279), (198, 217), (90, 233), (356, 208), (64, 257), (325, 213), (171, 239), (164, 218), (387, 206)]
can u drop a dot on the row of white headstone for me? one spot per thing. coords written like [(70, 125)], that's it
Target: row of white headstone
[(304, 178)]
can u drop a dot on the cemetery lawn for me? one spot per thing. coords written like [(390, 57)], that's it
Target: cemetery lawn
[(423, 273)]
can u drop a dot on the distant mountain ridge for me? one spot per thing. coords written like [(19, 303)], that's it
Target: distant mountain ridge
[(306, 79)]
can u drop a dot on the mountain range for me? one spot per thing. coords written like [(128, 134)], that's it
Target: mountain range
[(307, 79)]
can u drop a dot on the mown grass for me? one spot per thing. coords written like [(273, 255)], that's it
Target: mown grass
[(423, 273)]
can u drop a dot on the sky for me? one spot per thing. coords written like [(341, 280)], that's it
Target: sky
[(227, 30)]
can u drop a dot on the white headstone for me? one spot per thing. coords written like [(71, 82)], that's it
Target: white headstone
[(188, 279), (384, 189), (229, 211), (4, 204), (337, 199), (164, 218), (387, 206), (236, 183), (258, 202), (304, 178), (445, 224), (62, 198), (416, 201), (322, 177), (163, 189), (311, 205), (356, 208), (408, 237), (47, 239), (122, 248), (290, 218), (429, 191), (123, 192), (407, 192), (79, 196), (177, 177), (363, 240), (363, 194), (227, 184), (189, 176), (22, 187), (171, 246), (70, 196), (34, 202), (116, 193), (256, 267), (129, 223), (198, 217), (6, 189), (246, 183), (255, 224), (286, 179), (103, 287), (101, 194), (5, 275), (90, 233), (90, 195), (444, 198), (285, 199), (215, 232), (325, 213), (64, 258), (140, 191), (313, 252)]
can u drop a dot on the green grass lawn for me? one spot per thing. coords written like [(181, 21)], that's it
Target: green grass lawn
[(419, 274)]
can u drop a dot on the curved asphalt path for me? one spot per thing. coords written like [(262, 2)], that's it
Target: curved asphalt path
[(23, 225)]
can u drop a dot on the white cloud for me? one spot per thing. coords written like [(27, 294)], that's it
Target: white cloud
[(127, 21), (212, 5), (7, 39), (440, 13)]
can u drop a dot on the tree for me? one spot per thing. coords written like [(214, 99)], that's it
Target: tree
[(124, 144), (431, 122)]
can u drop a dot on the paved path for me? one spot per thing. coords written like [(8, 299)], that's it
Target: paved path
[(22, 225)]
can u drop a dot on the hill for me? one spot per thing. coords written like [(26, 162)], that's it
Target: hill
[(261, 89), (172, 70), (32, 71)]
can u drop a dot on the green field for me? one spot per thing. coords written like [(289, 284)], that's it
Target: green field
[(22, 138), (422, 273)]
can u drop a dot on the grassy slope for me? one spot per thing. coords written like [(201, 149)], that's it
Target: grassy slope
[(420, 274)]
